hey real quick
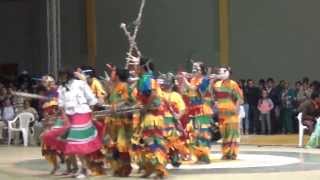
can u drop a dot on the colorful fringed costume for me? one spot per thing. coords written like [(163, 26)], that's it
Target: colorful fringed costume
[(136, 145), (119, 130), (154, 153), (201, 120), (228, 94), (174, 132), (54, 127)]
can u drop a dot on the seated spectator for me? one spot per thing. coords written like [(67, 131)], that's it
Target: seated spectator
[(8, 111), (265, 106), (7, 114), (34, 130), (310, 111), (27, 108)]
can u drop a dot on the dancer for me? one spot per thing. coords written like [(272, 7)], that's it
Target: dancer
[(154, 155), (200, 112), (94, 83), (174, 108), (228, 96), (75, 99), (52, 123), (119, 127)]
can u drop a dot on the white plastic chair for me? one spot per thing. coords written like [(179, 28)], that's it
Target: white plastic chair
[(301, 130), (24, 120)]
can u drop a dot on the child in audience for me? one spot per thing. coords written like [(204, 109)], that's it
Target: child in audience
[(265, 106)]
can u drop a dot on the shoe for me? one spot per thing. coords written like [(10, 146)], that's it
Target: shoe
[(81, 176)]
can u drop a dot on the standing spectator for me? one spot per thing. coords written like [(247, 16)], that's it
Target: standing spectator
[(286, 113), (245, 120), (262, 84), (253, 95), (275, 95), (265, 106)]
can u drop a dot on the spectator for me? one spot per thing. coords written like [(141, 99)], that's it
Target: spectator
[(301, 95), (253, 95), (8, 111), (262, 84), (24, 78), (8, 114), (306, 87), (245, 121), (275, 96), (310, 111), (18, 102), (35, 130), (286, 113), (3, 94), (265, 106), (27, 108)]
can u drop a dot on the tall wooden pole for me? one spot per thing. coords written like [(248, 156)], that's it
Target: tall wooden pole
[(224, 32), (90, 12)]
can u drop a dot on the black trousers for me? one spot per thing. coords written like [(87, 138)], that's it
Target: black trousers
[(254, 125)]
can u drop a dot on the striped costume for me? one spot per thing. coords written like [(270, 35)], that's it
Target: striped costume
[(119, 130), (154, 155), (173, 102), (228, 94), (201, 113)]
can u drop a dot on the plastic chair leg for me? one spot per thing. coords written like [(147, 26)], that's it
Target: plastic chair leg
[(9, 136), (301, 132), (25, 137)]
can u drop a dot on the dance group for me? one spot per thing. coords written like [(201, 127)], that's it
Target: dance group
[(171, 119)]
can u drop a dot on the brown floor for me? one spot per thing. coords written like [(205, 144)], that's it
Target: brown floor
[(272, 140)]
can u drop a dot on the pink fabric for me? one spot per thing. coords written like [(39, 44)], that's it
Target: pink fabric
[(78, 119), (71, 148), (265, 106), (83, 149), (51, 138)]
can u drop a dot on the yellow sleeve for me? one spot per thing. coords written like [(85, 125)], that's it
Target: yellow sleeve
[(98, 88), (179, 101)]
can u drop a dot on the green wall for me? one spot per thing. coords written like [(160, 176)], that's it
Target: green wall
[(278, 38), (173, 31)]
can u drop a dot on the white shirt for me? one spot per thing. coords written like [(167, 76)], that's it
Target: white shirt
[(76, 98), (8, 113)]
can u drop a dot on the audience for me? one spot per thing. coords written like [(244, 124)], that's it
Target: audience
[(269, 108)]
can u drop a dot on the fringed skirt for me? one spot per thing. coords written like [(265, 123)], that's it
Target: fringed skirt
[(82, 138)]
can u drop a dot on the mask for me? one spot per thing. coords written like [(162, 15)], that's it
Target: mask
[(223, 73), (196, 67)]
